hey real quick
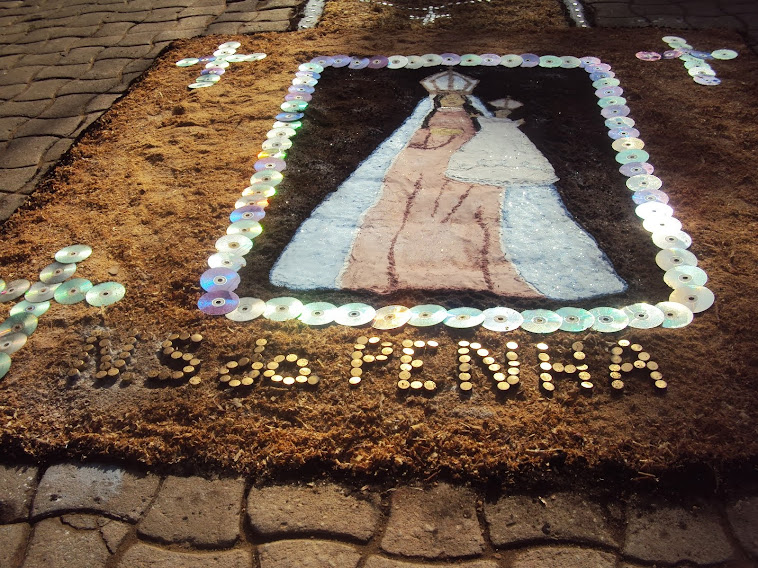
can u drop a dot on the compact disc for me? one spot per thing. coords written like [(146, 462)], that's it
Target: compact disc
[(105, 294), (315, 65), (619, 121), (627, 143), (463, 317), (354, 314), (589, 60), (283, 309), (724, 54), (73, 291), (672, 53), (305, 97), (19, 323), (490, 59), (606, 82), (672, 239), (219, 279), (696, 298), (211, 78), (341, 60), (631, 169), (297, 89), (271, 177), (14, 289), (623, 132), (431, 60), (706, 80), (73, 253), (230, 45), (57, 272), (685, 275), (34, 308), (672, 257), (218, 303), (247, 227), (570, 62), (651, 209), (643, 316), (705, 70), (648, 195), (450, 58), (358, 63), (5, 364), (426, 315), (615, 110), (529, 60), (226, 260), (247, 309), (575, 319), (608, 320), (470, 60), (675, 315), (270, 164), (248, 213), (674, 40), (550, 61), (391, 317), (12, 342), (261, 189), (501, 319), (289, 116), (235, 244), (597, 67), (397, 61), (40, 292), (662, 224), (511, 60), (611, 101), (317, 313), (648, 55), (541, 321), (601, 75), (200, 85), (276, 145), (2, 285), (293, 106), (414, 62), (187, 62), (614, 91)]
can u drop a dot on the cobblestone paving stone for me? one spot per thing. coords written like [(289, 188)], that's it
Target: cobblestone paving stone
[(563, 556), (12, 543), (309, 554), (142, 555), (17, 486)]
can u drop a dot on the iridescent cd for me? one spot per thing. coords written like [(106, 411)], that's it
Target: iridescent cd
[(311, 74), (662, 225), (5, 364), (213, 71), (200, 85), (230, 45), (40, 292), (651, 209), (606, 82), (470, 60), (250, 229), (589, 60), (237, 58), (673, 257), (550, 61), (354, 314), (616, 133), (414, 62), (73, 291), (529, 60), (426, 315), (706, 80), (501, 319), (636, 168), (615, 110), (575, 319), (217, 62), (2, 285), (247, 309), (597, 67), (271, 177), (648, 195), (724, 54), (34, 308), (397, 61), (463, 317), (675, 315), (219, 279), (14, 289), (206, 58), (341, 60), (282, 131), (627, 143), (317, 64), (187, 62), (276, 144), (378, 62), (270, 164), (57, 272), (672, 239), (73, 253), (238, 245), (224, 51), (627, 156), (672, 53), (431, 60), (12, 342), (601, 75), (450, 58), (701, 54), (254, 199), (648, 55), (701, 70), (608, 320), (674, 40), (295, 124), (605, 92), (685, 275), (605, 102), (19, 323), (570, 62), (619, 122), (317, 313), (643, 316), (359, 63), (208, 79), (248, 213), (511, 60), (303, 89), (226, 260), (391, 317), (283, 309), (218, 303), (105, 294), (643, 181), (490, 59), (541, 321), (289, 116), (696, 298), (293, 106)]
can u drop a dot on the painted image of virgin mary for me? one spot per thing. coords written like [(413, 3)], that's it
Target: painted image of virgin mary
[(457, 198)]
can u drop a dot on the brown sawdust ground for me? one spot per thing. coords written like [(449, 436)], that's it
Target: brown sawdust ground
[(150, 188)]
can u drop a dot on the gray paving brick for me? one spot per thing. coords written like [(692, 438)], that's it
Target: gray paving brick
[(380, 562), (99, 42), (48, 127), (101, 103), (16, 179), (440, 522), (86, 121), (261, 27), (19, 75), (708, 22), (743, 517), (106, 68), (200, 11), (7, 92), (114, 29), (9, 203), (179, 34), (133, 38), (275, 15), (163, 15), (149, 28), (123, 52), (193, 22), (659, 10), (8, 61), (56, 151), (75, 32), (270, 4), (126, 80), (63, 71), (43, 59), (107, 489), (17, 485), (242, 6), (12, 544), (40, 90), (677, 22), (563, 556), (22, 152), (28, 109), (80, 56), (702, 9), (137, 66), (59, 45), (34, 36), (309, 554), (65, 106), (240, 17), (223, 28), (636, 22), (323, 509), (614, 10), (142, 555), (8, 126)]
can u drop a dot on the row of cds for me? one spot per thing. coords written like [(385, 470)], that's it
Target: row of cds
[(680, 266), (696, 62), (55, 285), (216, 64)]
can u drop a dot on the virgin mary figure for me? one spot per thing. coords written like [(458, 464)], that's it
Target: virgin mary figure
[(457, 198)]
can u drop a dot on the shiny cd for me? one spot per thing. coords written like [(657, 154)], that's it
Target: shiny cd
[(541, 321), (250, 229), (636, 168), (40, 292), (724, 54), (238, 244), (605, 92), (211, 78), (73, 253), (450, 58), (283, 309), (218, 303), (271, 177), (675, 315), (378, 62), (570, 62), (200, 85), (706, 80), (2, 285), (248, 213), (470, 60), (431, 60), (648, 55), (298, 89), (73, 291), (226, 260), (643, 181), (627, 156), (696, 298), (662, 225), (247, 309), (608, 320), (224, 51), (57, 272), (270, 164), (293, 106), (414, 62), (550, 61), (230, 45), (673, 257), (529, 60), (397, 61), (643, 316), (317, 313), (511, 60), (606, 82), (672, 239), (694, 70), (426, 315), (14, 289), (105, 294), (391, 317), (674, 40), (601, 75), (597, 67), (5, 364), (213, 71), (589, 60), (685, 275), (295, 124), (615, 110), (289, 116), (672, 53), (34, 308), (276, 144), (653, 209), (19, 323), (354, 314), (12, 342), (624, 132), (575, 319), (298, 97), (341, 60), (611, 101), (627, 143), (490, 59), (700, 54), (283, 131), (187, 62), (619, 122), (254, 199), (317, 64), (463, 317), (219, 279), (310, 81), (501, 319), (359, 63), (648, 195)]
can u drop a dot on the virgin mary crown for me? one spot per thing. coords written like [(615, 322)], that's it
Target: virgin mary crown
[(449, 82)]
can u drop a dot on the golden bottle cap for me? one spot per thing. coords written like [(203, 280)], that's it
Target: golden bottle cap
[(464, 367), (88, 348), (356, 362), (301, 380), (661, 384), (125, 355), (232, 365), (652, 365), (269, 373), (104, 343), (119, 363), (464, 343), (499, 377), (91, 339), (242, 362), (184, 336), (164, 374), (495, 367), (542, 346), (464, 351), (168, 351), (433, 344), (547, 386), (626, 367), (577, 346), (195, 362), (465, 386), (617, 384), (369, 358), (278, 358), (617, 351), (195, 380), (373, 340), (407, 343), (188, 370), (475, 345), (547, 377), (511, 355), (302, 362), (402, 384), (615, 375), (291, 357), (419, 344), (570, 369), (176, 375), (482, 352), (289, 381), (623, 342), (260, 342), (546, 366), (176, 355), (416, 385), (643, 356), (173, 336), (313, 380), (381, 357), (362, 340), (586, 385), (404, 375), (247, 381), (512, 380), (359, 347), (464, 359), (257, 365), (512, 345), (387, 351), (513, 371), (639, 364), (408, 351), (616, 359), (259, 349), (354, 381), (356, 372), (152, 374), (127, 377), (584, 376), (305, 371), (582, 367), (255, 374), (430, 385), (488, 360), (196, 338), (405, 367), (72, 373), (235, 383), (167, 344), (416, 363), (503, 386), (636, 347), (386, 344), (543, 356), (79, 364), (464, 376), (277, 378), (615, 368), (656, 375), (104, 366), (579, 355)]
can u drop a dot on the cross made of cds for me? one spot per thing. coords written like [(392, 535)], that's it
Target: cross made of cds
[(696, 62), (216, 64)]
